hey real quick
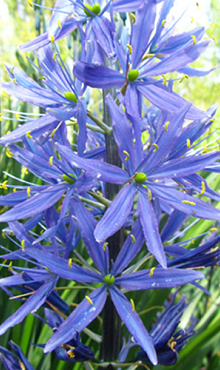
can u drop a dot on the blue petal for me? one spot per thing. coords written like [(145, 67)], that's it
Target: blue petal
[(116, 215), (150, 228), (133, 323), (81, 317)]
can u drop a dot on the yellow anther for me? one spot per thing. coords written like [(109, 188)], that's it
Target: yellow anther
[(4, 93), (70, 260), (146, 56), (41, 78), (71, 354), (188, 143), (163, 23), (188, 202), (183, 78), (203, 187), (211, 120), (164, 79), (26, 171), (127, 155), (3, 234), (89, 299), (12, 70), (52, 39), (194, 212), (0, 117), (172, 346), (213, 229), (59, 24), (51, 161), (4, 186), (17, 116), (149, 195), (156, 147), (3, 208), (194, 39), (151, 271), (11, 233), (212, 25), (205, 149), (29, 192), (28, 134), (30, 3), (192, 19), (166, 125), (104, 246), (15, 81), (42, 231), (22, 365), (10, 266), (133, 18), (215, 39), (133, 238), (54, 56), (53, 133), (132, 305), (23, 244), (9, 153), (129, 48)]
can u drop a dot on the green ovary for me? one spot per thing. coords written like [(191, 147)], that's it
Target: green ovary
[(109, 279), (133, 75), (69, 179), (71, 96), (95, 9), (140, 178)]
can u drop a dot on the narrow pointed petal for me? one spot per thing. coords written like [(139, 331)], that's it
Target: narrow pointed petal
[(116, 215), (185, 203), (144, 25), (133, 323), (161, 279), (130, 248), (150, 228), (35, 301), (98, 76), (34, 205), (87, 225), (81, 317)]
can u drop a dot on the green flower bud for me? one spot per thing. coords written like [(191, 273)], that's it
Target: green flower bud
[(95, 9), (109, 279), (69, 179), (133, 75), (71, 96), (140, 178)]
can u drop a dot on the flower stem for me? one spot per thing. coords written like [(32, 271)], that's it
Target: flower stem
[(111, 331)]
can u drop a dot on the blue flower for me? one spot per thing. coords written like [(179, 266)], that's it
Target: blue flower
[(111, 280), (12, 362)]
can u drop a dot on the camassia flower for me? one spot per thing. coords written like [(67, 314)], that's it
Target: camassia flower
[(142, 58), (166, 338), (57, 93), (14, 362), (153, 176), (110, 280)]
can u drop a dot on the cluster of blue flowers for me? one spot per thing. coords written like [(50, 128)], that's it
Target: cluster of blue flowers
[(106, 182)]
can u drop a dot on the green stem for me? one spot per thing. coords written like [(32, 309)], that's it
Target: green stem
[(107, 129)]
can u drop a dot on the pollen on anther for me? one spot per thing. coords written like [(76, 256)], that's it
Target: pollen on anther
[(127, 155), (149, 195), (203, 187), (4, 186), (17, 116), (188, 143), (54, 56), (163, 23), (30, 3), (133, 238), (15, 81), (164, 79), (194, 39), (70, 260), (213, 229), (89, 299), (28, 134), (132, 305), (156, 147), (23, 244), (29, 192), (52, 39), (51, 161), (188, 202), (10, 266), (166, 125), (59, 24), (151, 271), (9, 153), (183, 78), (104, 246), (129, 48)]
